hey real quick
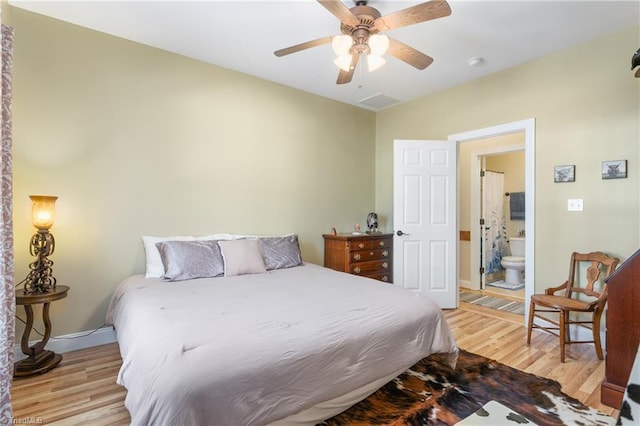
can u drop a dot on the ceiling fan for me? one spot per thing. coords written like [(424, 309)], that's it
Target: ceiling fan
[(361, 27)]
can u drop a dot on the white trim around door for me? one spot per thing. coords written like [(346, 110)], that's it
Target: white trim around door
[(528, 127)]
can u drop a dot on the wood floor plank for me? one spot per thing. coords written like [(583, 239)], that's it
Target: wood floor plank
[(82, 389)]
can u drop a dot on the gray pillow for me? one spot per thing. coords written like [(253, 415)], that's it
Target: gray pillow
[(280, 252), (184, 260)]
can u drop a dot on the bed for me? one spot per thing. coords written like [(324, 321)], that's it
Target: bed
[(290, 345)]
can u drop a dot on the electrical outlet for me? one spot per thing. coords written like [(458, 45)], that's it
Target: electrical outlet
[(575, 205)]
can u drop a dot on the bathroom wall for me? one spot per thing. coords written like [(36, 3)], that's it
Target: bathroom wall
[(512, 165)]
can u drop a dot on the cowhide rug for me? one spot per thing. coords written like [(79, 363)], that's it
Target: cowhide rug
[(432, 393)]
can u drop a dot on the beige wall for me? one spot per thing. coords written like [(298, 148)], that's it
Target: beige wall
[(512, 165), (586, 104), (137, 141)]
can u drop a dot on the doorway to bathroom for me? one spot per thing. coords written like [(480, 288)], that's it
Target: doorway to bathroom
[(502, 219), (480, 150), (467, 214)]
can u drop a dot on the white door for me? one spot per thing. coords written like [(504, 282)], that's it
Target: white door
[(424, 219)]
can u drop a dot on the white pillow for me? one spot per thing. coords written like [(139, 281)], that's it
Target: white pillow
[(242, 257), (155, 268), (215, 237)]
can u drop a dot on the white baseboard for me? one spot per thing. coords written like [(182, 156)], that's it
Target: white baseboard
[(464, 283), (74, 341)]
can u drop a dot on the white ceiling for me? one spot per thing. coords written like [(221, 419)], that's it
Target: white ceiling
[(242, 36)]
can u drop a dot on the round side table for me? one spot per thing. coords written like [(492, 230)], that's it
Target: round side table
[(38, 359)]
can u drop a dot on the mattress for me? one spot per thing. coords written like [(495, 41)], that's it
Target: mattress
[(257, 349)]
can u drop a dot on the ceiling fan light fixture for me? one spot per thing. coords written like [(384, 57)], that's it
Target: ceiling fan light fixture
[(360, 29), (374, 62), (378, 44), (341, 44), (343, 62)]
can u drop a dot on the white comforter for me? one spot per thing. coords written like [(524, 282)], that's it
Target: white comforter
[(254, 349)]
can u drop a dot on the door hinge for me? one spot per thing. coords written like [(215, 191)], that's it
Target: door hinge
[(482, 270), (481, 173), (481, 221)]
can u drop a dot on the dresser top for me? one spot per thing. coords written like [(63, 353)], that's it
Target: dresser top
[(349, 237)]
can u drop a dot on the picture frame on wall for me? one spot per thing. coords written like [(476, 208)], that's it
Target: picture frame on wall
[(564, 173), (614, 169)]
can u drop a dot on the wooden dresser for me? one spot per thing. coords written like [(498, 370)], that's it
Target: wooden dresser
[(623, 329), (367, 255)]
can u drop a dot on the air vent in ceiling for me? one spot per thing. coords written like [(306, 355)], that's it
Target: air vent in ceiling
[(379, 101)]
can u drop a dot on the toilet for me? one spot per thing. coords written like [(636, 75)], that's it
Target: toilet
[(514, 264)]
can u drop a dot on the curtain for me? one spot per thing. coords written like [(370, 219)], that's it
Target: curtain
[(495, 237), (7, 287)]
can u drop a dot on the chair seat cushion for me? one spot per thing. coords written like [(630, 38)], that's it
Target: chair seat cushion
[(562, 303)]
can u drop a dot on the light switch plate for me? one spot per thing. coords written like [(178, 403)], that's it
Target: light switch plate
[(575, 205)]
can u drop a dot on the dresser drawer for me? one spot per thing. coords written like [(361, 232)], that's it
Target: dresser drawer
[(370, 267), (364, 255), (370, 244), (384, 277)]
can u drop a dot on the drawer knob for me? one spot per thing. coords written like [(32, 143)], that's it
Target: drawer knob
[(357, 256), (385, 265), (381, 243), (361, 245), (384, 278), (385, 253), (356, 269)]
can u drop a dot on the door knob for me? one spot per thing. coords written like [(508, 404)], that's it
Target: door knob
[(400, 233)]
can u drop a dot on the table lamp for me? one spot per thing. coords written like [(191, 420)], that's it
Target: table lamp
[(40, 278)]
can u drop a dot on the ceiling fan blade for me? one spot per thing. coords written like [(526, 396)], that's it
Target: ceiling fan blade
[(346, 76), (302, 46), (408, 54), (340, 11), (413, 15)]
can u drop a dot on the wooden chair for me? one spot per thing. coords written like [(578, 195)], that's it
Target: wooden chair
[(575, 298)]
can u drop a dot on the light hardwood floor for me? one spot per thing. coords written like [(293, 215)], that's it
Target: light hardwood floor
[(82, 389)]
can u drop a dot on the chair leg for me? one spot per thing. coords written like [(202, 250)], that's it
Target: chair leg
[(532, 309), (596, 335), (562, 331)]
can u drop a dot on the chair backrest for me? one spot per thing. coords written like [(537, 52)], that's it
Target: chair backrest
[(598, 263)]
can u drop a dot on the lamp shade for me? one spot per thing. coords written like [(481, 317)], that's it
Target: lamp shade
[(43, 210), (378, 44), (343, 62), (341, 44), (374, 62)]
